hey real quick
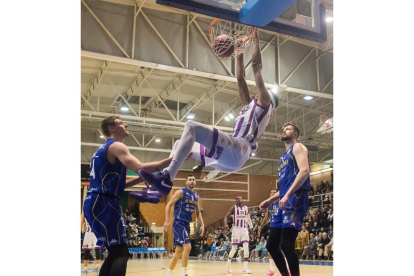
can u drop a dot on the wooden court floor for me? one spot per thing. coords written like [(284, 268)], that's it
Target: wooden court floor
[(198, 267)]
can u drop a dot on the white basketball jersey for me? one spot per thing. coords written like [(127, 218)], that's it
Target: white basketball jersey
[(252, 121), (240, 216), (88, 228)]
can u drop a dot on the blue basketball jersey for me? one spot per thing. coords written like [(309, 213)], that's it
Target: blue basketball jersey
[(185, 207), (288, 169), (106, 178)]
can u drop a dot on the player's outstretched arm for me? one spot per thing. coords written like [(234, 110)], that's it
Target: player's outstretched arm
[(176, 197), (301, 155), (228, 214), (262, 93), (241, 81), (200, 219), (133, 182), (267, 202), (120, 151)]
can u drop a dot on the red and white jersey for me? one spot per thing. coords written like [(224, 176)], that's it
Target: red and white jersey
[(252, 121), (240, 216)]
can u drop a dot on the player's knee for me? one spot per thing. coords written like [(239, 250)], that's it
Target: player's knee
[(190, 124), (187, 247)]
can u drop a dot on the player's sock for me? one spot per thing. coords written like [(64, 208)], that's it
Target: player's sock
[(169, 272), (184, 273), (272, 265), (245, 264)]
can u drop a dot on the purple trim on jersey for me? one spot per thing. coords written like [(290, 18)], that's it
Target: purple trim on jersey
[(86, 248), (234, 215), (266, 109), (250, 119), (237, 219), (202, 153), (215, 138), (244, 241), (238, 127), (235, 243)]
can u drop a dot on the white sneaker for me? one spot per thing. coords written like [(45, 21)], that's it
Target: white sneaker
[(238, 259), (97, 270), (84, 271), (228, 267), (246, 271), (221, 258)]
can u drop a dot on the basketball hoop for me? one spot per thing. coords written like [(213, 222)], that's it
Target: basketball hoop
[(228, 42), (324, 119)]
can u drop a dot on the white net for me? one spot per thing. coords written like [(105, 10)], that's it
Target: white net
[(226, 36)]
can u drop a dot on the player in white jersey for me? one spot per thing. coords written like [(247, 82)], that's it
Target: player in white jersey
[(215, 148), (240, 232), (89, 243)]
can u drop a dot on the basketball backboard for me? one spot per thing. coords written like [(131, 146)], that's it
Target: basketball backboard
[(304, 19)]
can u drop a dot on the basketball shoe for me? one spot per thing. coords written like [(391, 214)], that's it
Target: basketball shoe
[(160, 181), (150, 195)]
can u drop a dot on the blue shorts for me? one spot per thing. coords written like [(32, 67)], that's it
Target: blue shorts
[(104, 215), (295, 212), (181, 231)]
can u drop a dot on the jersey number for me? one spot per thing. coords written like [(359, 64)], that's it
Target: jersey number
[(92, 173)]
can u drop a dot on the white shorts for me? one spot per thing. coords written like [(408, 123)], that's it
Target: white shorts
[(239, 235), (227, 154), (89, 241)]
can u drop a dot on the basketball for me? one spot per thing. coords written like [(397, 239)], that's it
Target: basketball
[(223, 46)]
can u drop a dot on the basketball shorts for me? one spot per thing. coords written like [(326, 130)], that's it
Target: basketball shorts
[(293, 216), (181, 231), (89, 241), (239, 235), (104, 215), (227, 154)]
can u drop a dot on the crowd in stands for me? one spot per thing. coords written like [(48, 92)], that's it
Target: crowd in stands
[(132, 231), (315, 241)]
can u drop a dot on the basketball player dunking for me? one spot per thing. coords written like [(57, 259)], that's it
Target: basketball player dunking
[(270, 214), (294, 186), (185, 203), (215, 148), (240, 233), (89, 243), (107, 182)]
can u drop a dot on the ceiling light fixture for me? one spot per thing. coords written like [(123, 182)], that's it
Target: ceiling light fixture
[(190, 116), (157, 140), (102, 136), (253, 154), (124, 108), (227, 118), (231, 116), (308, 98)]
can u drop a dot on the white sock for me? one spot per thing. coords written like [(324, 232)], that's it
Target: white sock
[(272, 265), (245, 264), (169, 272), (184, 271), (97, 265)]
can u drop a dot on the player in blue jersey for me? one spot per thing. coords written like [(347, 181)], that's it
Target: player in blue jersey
[(294, 186), (270, 215), (107, 182), (185, 203), (215, 148)]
